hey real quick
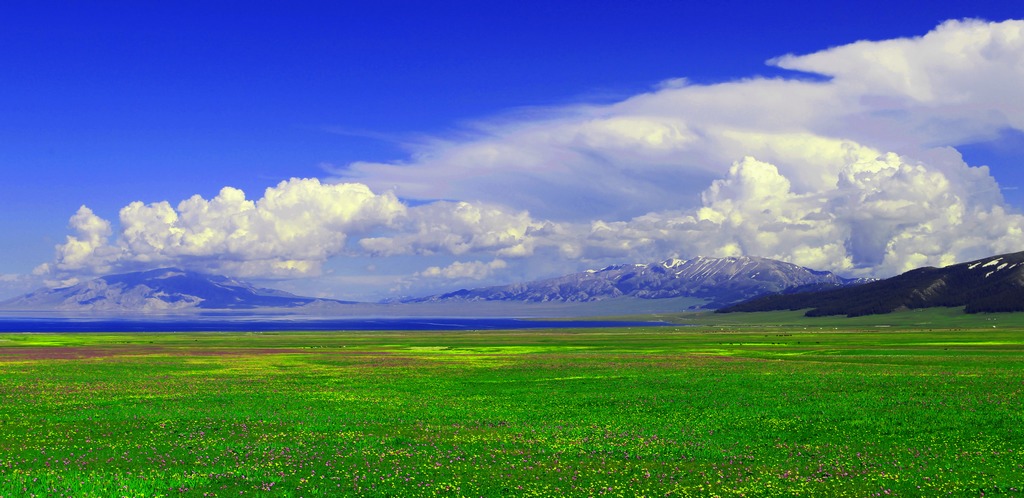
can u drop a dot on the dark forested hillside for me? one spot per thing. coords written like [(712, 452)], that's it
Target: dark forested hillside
[(987, 285)]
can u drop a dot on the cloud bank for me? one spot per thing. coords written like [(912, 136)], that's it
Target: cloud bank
[(855, 172), (291, 230)]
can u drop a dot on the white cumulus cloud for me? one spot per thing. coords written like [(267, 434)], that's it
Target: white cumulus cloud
[(855, 172), (291, 230)]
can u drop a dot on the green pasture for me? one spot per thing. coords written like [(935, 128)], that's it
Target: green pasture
[(928, 404)]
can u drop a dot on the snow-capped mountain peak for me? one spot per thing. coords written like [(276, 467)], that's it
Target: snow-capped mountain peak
[(718, 280)]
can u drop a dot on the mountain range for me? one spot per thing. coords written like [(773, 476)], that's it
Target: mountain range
[(165, 289), (715, 282), (991, 284), (719, 281)]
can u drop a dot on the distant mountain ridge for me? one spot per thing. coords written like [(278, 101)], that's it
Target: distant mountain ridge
[(165, 289), (720, 281), (714, 282), (991, 284)]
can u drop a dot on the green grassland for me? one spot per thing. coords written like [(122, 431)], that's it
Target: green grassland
[(910, 404)]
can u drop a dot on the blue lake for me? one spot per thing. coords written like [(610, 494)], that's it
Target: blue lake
[(193, 324)]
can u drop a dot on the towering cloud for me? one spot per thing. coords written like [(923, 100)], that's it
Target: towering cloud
[(88, 248)]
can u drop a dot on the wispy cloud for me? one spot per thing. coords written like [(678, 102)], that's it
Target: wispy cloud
[(13, 284)]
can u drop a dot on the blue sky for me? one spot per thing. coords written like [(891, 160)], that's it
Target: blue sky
[(112, 103)]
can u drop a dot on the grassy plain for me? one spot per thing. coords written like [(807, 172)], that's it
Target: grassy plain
[(738, 405)]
